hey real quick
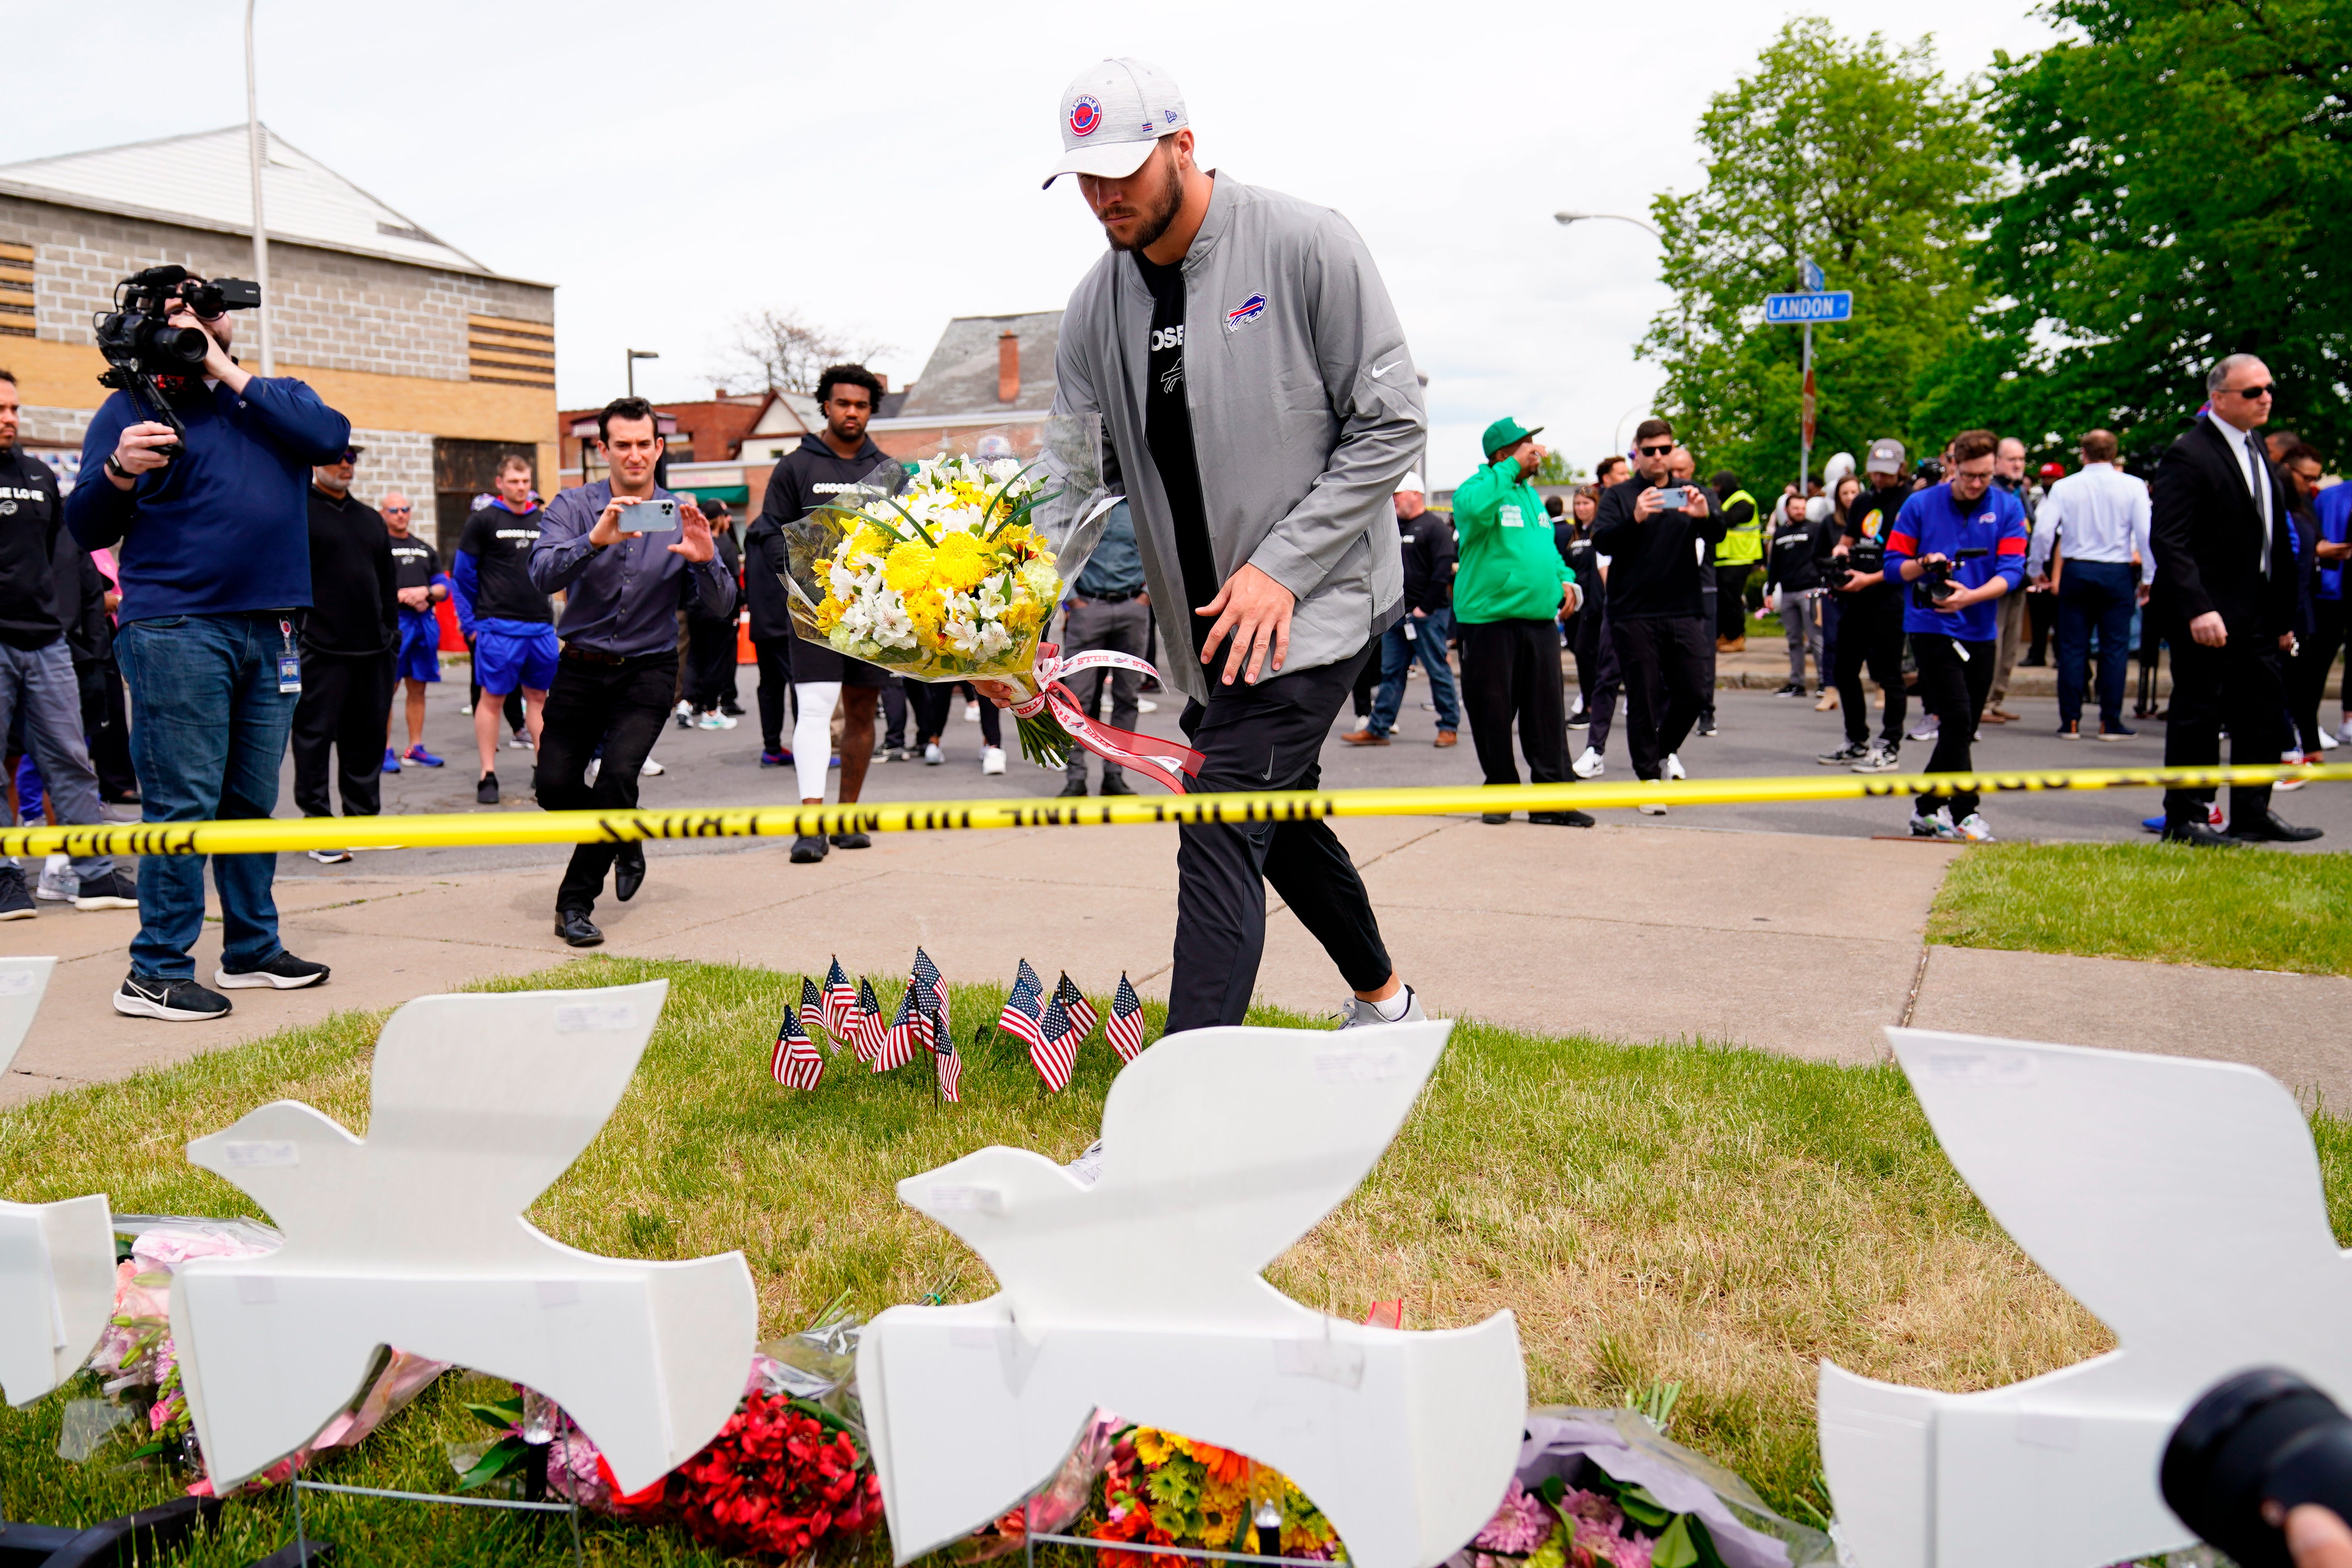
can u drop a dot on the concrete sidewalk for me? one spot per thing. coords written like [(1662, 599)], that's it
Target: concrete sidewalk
[(1789, 942)]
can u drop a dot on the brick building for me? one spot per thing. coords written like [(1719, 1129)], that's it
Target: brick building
[(983, 371), (442, 366)]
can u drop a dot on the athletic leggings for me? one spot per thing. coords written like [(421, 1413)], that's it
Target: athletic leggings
[(813, 702)]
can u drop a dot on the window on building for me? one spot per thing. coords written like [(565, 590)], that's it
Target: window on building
[(463, 471)]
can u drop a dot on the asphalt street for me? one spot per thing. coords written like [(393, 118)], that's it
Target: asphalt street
[(1761, 735)]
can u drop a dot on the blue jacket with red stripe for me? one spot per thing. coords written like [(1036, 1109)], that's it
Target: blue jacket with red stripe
[(1932, 523)]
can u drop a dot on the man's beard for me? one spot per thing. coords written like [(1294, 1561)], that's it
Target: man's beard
[(1156, 218)]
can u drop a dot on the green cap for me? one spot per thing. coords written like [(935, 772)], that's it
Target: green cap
[(1505, 433)]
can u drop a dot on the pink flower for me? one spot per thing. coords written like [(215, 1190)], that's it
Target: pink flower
[(1521, 1523)]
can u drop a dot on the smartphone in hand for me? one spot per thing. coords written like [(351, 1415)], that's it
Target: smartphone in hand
[(658, 515)]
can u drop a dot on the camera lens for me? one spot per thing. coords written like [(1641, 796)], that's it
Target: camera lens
[(2263, 1436), (178, 345)]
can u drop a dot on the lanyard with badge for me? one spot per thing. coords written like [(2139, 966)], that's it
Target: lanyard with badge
[(289, 659)]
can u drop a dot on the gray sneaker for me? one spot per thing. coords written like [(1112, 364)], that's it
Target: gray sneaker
[(1879, 759), (58, 882), (1360, 1012)]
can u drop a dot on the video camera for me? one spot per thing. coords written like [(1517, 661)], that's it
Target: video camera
[(1934, 585), (1930, 471), (140, 342), (1862, 558), (2253, 1447)]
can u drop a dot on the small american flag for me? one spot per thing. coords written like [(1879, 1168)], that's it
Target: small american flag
[(813, 1011), (866, 1030), (796, 1064), (1125, 1030), (1056, 1050), (840, 1002), (927, 973), (897, 1046), (1081, 1011), (949, 1064), (1025, 1010)]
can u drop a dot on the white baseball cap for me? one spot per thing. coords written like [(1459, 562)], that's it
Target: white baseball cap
[(1113, 112), (1411, 481)]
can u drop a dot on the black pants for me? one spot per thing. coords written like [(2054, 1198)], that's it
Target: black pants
[(1731, 601), (2236, 686), (1597, 684), (894, 710), (775, 688), (1266, 737), (1510, 669), (1870, 631), (1954, 689), (107, 719), (1367, 687), (2306, 675), (621, 708), (345, 702), (710, 662), (1664, 662), (2040, 619), (934, 703)]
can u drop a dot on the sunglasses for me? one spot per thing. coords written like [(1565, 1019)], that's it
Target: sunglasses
[(350, 456), (2250, 393), (403, 510), (1655, 451)]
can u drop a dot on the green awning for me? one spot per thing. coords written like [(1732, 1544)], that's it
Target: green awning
[(733, 495)]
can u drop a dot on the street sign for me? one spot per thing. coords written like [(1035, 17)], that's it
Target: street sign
[(1805, 310), (1808, 272)]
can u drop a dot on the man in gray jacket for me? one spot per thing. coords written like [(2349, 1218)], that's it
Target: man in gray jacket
[(1260, 406)]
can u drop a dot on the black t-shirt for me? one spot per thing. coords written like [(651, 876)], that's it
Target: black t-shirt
[(31, 614), (1168, 430), (353, 610), (500, 543), (1871, 516), (414, 563)]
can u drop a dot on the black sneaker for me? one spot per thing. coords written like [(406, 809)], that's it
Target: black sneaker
[(173, 1001), (853, 841), (16, 904), (1851, 753), (808, 850), (1116, 786), (485, 793), (1561, 818), (1073, 787), (1706, 725), (283, 973), (112, 891)]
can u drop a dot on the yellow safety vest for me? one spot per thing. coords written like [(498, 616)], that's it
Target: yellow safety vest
[(1743, 543)]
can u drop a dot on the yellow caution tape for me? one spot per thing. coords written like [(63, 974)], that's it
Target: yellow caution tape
[(482, 828)]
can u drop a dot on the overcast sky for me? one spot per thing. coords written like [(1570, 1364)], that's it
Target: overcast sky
[(671, 165)]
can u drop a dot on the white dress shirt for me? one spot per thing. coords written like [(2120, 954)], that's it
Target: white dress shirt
[(2104, 514), (2258, 480)]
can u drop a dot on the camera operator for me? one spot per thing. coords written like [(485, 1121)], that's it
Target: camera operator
[(1870, 616), (215, 575), (1962, 543), (40, 603), (623, 589)]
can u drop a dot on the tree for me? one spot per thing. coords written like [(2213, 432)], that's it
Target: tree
[(2181, 167), (1555, 469), (784, 349), (1865, 159)]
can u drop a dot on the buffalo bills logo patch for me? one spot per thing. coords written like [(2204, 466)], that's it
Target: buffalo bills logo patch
[(1086, 117), (1248, 310)]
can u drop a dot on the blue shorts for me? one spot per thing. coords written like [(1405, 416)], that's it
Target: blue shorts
[(509, 661), (419, 657)]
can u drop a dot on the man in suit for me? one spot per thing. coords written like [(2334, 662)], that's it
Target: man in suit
[(2225, 589)]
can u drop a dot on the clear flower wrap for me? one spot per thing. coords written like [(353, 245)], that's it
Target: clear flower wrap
[(949, 567)]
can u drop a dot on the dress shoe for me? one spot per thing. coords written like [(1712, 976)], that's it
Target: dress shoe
[(1364, 738), (2198, 836), (628, 871), (1998, 716), (2272, 828), (1115, 786), (1447, 738), (853, 841), (574, 927), (1561, 818), (808, 850), (1075, 786), (1492, 817)]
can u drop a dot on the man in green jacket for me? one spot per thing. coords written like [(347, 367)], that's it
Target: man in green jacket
[(1509, 593)]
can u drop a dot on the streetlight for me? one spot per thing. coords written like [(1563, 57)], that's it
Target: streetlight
[(1564, 219), (634, 355)]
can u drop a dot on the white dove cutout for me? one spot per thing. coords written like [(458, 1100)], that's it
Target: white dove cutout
[(2178, 1200), (416, 1238), (1141, 1294), (56, 1260)]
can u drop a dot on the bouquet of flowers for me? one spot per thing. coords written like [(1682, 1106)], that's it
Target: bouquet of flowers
[(1162, 1490), (950, 567)]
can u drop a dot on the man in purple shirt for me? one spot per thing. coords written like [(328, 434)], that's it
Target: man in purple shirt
[(623, 589)]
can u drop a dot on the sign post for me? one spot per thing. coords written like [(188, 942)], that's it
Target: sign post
[(1812, 303)]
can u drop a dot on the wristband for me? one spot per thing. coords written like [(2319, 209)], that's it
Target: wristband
[(119, 471)]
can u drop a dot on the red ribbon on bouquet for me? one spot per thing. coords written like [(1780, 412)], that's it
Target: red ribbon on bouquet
[(1163, 761)]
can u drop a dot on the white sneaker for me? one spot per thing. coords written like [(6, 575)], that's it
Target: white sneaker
[(971, 713), (1652, 809), (1145, 705), (652, 770), (932, 755), (2344, 734), (2284, 786), (330, 856), (1974, 828), (2328, 740), (1925, 729), (991, 760), (467, 709), (714, 720), (58, 882), (1880, 759), (1936, 824), (1590, 765), (1674, 766)]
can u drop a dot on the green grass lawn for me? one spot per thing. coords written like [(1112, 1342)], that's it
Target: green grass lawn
[(2236, 909), (1719, 1219)]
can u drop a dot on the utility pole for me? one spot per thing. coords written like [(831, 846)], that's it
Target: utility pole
[(255, 157)]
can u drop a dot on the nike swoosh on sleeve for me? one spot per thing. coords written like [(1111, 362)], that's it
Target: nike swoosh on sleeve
[(1388, 367)]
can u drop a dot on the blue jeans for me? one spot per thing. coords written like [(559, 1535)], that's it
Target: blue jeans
[(208, 731), (2104, 594), (1397, 653), (39, 689)]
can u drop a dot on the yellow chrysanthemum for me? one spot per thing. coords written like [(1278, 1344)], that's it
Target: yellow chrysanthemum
[(909, 567)]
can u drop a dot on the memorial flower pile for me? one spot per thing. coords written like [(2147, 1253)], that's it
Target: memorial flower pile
[(1162, 1490), (1560, 1526)]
